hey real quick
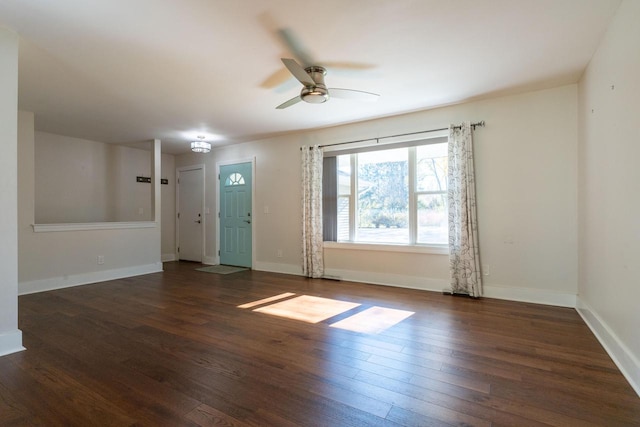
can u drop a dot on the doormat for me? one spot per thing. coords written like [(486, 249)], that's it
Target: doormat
[(221, 269)]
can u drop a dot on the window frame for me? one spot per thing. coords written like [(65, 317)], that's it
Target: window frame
[(414, 193)]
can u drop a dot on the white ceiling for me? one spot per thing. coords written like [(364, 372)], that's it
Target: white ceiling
[(122, 71)]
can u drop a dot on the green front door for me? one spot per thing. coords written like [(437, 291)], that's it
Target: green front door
[(235, 214)]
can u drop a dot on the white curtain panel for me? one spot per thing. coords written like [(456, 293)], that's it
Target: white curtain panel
[(464, 255), (312, 248)]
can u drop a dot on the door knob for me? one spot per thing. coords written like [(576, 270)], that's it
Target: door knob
[(198, 221), (247, 221)]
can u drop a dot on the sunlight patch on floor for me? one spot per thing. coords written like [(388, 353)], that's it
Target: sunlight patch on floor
[(266, 300), (373, 320), (307, 308)]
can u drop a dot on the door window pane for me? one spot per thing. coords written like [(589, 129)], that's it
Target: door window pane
[(234, 179)]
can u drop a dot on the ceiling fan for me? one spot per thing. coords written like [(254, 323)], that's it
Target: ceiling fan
[(314, 90)]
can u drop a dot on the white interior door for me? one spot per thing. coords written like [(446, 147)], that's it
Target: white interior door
[(190, 214)]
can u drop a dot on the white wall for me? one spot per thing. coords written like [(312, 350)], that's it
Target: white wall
[(78, 180), (609, 191), (168, 192), (527, 198), (129, 200), (10, 335), (49, 260)]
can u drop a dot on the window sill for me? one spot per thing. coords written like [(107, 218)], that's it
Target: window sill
[(45, 228), (422, 249)]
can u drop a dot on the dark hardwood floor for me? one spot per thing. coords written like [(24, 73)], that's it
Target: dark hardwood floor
[(174, 349)]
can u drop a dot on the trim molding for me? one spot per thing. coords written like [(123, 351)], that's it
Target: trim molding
[(421, 249), (274, 267), (209, 260), (46, 228), (168, 257), (397, 280), (624, 359), (11, 342), (536, 296), (42, 285)]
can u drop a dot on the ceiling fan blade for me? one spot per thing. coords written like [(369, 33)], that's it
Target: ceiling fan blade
[(343, 65), (358, 95), (276, 79), (295, 46), (298, 72), (289, 103)]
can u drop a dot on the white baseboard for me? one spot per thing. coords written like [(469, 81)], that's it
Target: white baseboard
[(11, 342), (536, 296), (398, 280), (52, 283), (168, 257), (274, 267), (210, 260), (624, 359)]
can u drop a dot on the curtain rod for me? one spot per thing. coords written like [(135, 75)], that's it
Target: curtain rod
[(473, 126)]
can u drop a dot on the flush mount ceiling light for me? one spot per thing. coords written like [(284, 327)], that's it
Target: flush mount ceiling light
[(200, 146)]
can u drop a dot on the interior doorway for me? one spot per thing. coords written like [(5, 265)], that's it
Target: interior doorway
[(190, 218)]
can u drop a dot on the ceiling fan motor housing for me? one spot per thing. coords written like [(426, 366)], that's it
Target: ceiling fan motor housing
[(318, 93)]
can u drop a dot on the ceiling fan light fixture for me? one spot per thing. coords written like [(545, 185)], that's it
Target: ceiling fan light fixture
[(314, 95), (200, 146), (314, 90)]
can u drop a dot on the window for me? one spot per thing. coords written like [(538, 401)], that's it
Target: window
[(234, 179), (393, 196)]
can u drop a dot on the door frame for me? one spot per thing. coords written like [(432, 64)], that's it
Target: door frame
[(251, 160), (204, 217)]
